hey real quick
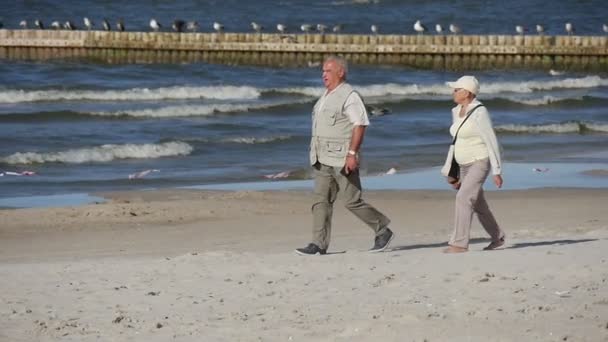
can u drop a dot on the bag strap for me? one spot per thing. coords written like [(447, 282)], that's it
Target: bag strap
[(465, 120)]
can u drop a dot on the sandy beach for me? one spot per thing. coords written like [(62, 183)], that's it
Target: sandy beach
[(195, 265)]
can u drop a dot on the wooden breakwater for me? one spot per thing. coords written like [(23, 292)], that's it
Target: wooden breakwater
[(451, 52)]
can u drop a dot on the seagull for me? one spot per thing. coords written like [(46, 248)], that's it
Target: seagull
[(455, 29), (569, 28), (337, 28), (281, 28), (155, 25), (218, 27), (321, 28), (106, 25), (418, 27), (520, 29), (23, 24), (1, 24), (55, 25), (374, 29), (68, 25), (438, 29), (540, 29), (605, 28), (38, 23), (256, 27), (306, 28), (192, 26), (87, 23), (120, 25), (178, 25)]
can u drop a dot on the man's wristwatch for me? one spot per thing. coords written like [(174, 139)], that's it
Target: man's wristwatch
[(352, 153)]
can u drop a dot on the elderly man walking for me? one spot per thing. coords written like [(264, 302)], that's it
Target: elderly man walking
[(338, 126)]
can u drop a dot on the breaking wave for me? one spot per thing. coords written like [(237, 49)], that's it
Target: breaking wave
[(103, 153), (558, 128), (135, 94)]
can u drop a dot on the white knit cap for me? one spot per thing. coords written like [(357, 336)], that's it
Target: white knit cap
[(469, 83)]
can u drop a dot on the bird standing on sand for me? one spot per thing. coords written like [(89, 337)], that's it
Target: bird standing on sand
[(419, 28), (155, 25), (520, 29), (540, 29), (120, 25), (38, 23), (106, 25), (192, 26), (55, 25), (87, 23), (455, 29), (438, 29), (281, 28), (569, 28), (321, 28), (605, 28), (256, 27), (23, 24), (338, 28), (374, 29)]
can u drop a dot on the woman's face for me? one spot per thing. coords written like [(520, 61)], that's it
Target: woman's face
[(460, 95)]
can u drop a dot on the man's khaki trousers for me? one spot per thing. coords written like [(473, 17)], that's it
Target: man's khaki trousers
[(328, 182)]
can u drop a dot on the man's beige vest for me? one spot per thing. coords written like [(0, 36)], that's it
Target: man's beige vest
[(331, 129)]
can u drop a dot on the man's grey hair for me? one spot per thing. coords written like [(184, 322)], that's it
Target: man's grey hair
[(340, 61)]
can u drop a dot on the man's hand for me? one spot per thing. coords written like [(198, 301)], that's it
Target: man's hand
[(352, 164), (498, 181)]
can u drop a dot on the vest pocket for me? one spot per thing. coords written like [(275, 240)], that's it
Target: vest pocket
[(330, 118)]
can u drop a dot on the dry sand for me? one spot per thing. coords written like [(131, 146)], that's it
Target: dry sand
[(185, 265)]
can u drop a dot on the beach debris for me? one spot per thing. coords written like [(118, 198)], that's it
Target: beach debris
[(556, 73), (142, 174), (22, 173), (540, 170), (563, 293), (283, 174), (391, 171)]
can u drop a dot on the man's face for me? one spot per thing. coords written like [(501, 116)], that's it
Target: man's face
[(333, 74)]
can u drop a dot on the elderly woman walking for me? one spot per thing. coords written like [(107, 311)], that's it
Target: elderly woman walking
[(477, 153)]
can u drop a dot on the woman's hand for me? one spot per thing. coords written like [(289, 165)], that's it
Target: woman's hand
[(498, 181)]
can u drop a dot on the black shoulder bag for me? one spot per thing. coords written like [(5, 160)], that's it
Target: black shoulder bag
[(454, 173)]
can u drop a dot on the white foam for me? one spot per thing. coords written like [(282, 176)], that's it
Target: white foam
[(136, 94), (254, 140), (195, 110), (103, 153), (568, 127), (542, 101), (597, 127), (376, 90)]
